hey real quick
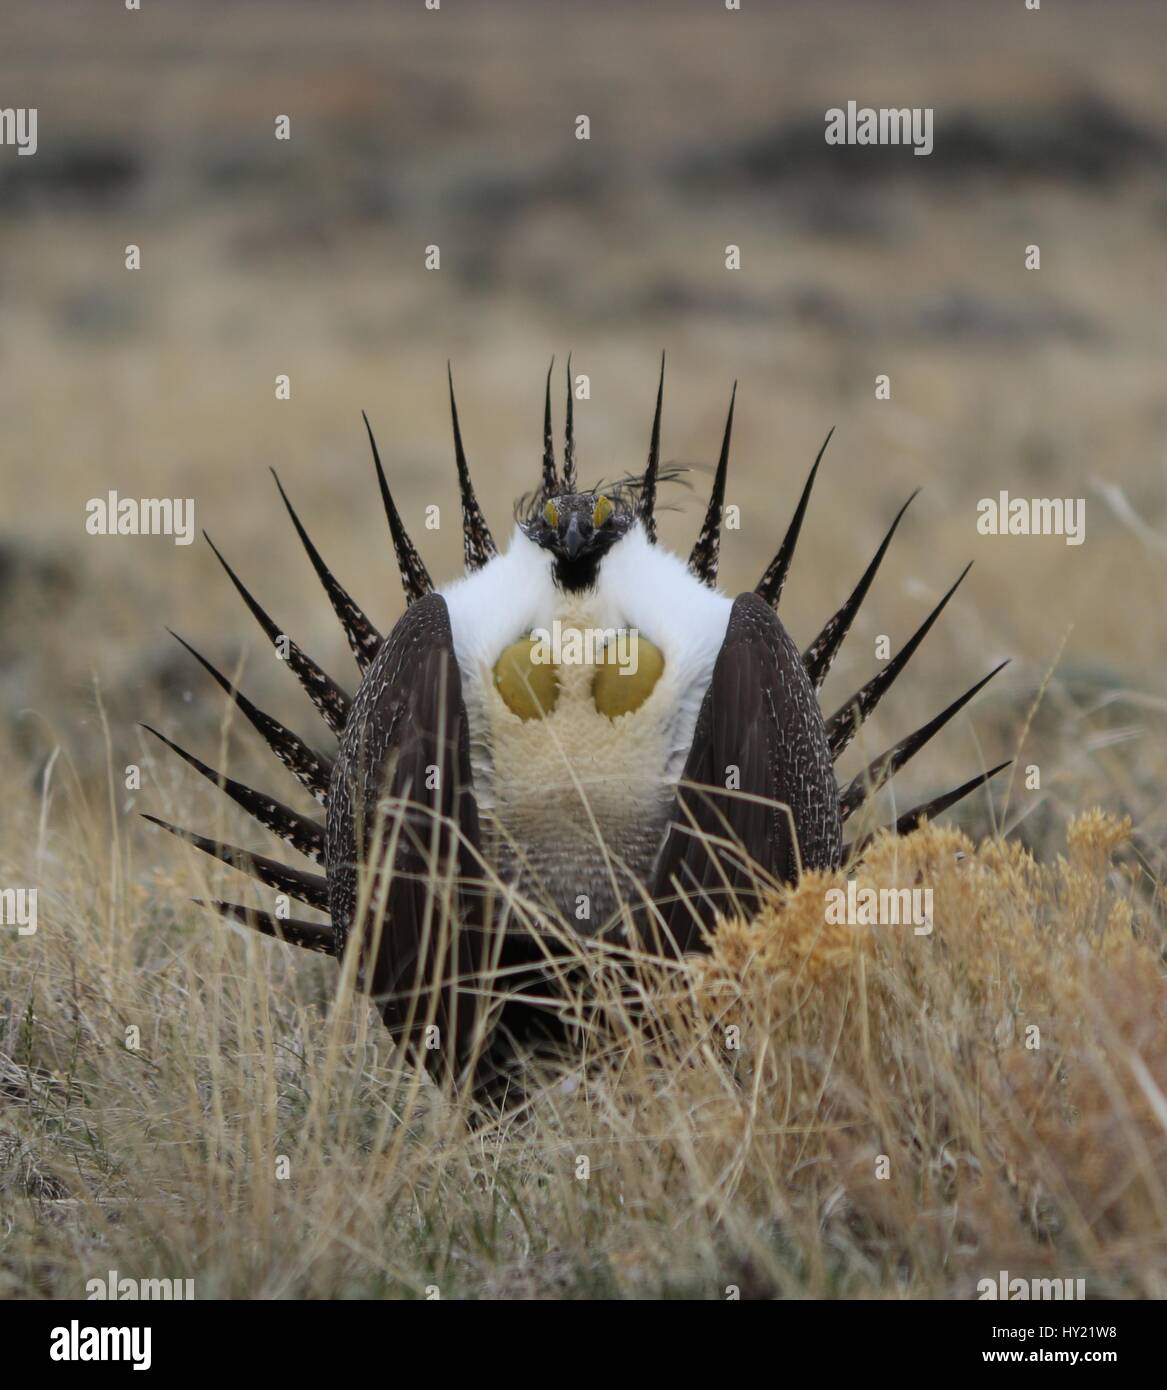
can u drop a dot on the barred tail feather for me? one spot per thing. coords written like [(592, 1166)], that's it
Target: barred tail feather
[(415, 578), (313, 936), (302, 834), (304, 887), (363, 637), (311, 769), (928, 809), (878, 772), (772, 583), (819, 656), (845, 722), (330, 700), (706, 554)]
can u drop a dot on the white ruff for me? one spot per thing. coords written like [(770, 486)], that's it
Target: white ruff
[(560, 786)]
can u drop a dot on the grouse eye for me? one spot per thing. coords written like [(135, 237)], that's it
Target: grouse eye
[(551, 514), (602, 511)]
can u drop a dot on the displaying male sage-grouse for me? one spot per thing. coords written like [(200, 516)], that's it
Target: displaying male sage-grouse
[(581, 731)]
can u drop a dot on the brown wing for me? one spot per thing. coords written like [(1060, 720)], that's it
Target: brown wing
[(402, 792), (758, 795)]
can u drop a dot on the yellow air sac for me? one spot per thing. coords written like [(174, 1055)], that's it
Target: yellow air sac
[(529, 688), (617, 692)]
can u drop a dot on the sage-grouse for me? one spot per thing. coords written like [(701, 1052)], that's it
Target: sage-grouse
[(581, 731)]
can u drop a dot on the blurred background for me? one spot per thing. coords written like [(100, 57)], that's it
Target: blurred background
[(457, 128)]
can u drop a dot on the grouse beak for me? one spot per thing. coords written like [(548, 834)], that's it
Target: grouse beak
[(573, 540)]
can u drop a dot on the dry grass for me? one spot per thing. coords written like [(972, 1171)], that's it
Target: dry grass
[(715, 1160)]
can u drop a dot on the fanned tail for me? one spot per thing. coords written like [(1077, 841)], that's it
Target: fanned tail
[(415, 578), (550, 482), (926, 810), (314, 770), (311, 769), (819, 656), (569, 436), (843, 724), (477, 543), (647, 504), (772, 583), (363, 637), (706, 554), (330, 700), (880, 771), (302, 834), (911, 819), (304, 887), (313, 936)]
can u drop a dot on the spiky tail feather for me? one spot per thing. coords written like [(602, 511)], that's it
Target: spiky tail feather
[(706, 553), (314, 770)]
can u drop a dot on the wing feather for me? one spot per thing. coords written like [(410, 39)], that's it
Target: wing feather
[(403, 782), (757, 798)]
